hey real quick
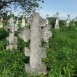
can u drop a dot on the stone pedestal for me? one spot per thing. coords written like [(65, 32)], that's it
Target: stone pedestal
[(57, 21), (67, 23), (12, 42), (57, 24)]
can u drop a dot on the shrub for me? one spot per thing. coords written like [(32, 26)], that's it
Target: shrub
[(21, 44), (3, 33)]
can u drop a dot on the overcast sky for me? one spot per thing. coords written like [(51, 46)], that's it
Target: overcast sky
[(64, 7)]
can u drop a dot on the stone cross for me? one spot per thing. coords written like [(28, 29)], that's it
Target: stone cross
[(57, 14), (1, 22), (68, 16), (57, 21), (12, 40), (68, 21), (38, 36)]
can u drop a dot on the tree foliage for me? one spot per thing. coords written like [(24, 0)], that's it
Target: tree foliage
[(27, 5)]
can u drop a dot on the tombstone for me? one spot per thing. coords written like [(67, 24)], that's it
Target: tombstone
[(68, 21), (1, 22), (57, 21), (47, 21), (38, 33), (23, 22), (12, 40), (25, 32)]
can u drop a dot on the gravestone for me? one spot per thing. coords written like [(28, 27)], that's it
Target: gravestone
[(38, 34), (68, 21), (12, 40), (1, 22), (23, 22), (57, 21), (47, 21)]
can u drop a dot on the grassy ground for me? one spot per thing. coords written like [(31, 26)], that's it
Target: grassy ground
[(61, 58)]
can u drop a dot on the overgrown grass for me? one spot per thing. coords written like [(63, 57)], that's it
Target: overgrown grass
[(11, 64), (61, 58)]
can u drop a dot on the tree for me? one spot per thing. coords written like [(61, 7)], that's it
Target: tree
[(27, 5)]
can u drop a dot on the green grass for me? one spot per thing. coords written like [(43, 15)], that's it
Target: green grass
[(11, 64), (61, 58)]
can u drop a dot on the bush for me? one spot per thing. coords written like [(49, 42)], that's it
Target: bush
[(3, 44), (21, 44), (3, 33)]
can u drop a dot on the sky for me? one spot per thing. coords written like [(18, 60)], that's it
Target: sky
[(63, 7)]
